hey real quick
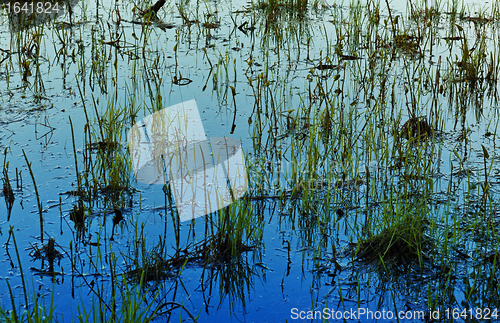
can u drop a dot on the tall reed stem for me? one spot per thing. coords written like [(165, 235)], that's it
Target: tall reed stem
[(37, 197)]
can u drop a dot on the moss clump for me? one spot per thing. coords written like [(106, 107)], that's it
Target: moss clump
[(402, 242), (417, 127)]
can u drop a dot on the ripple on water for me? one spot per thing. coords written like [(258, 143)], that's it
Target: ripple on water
[(12, 113)]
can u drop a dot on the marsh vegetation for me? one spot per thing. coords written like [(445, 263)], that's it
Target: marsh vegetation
[(369, 130)]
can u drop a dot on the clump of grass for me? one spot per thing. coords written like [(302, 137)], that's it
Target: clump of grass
[(402, 240), (106, 164), (153, 265), (416, 127), (278, 5), (234, 227), (409, 44), (472, 65), (228, 234), (423, 13)]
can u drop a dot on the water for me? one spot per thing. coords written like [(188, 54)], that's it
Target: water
[(302, 257)]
